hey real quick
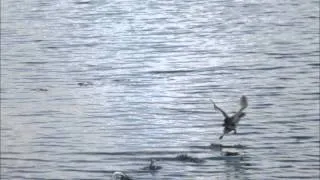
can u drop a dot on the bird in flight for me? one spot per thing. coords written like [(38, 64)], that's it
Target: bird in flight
[(231, 122)]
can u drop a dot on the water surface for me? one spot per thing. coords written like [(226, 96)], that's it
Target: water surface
[(93, 87)]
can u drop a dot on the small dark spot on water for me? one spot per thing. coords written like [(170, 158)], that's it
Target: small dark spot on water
[(270, 68), (40, 89), (302, 137), (187, 158), (220, 146), (215, 146), (312, 17), (262, 106), (88, 44), (286, 78), (152, 167), (170, 71), (82, 2), (121, 80), (281, 55), (229, 153), (271, 87), (314, 64), (238, 146), (38, 40), (84, 84), (87, 171), (286, 166), (35, 62), (52, 47)]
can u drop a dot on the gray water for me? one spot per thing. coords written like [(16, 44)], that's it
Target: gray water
[(93, 87)]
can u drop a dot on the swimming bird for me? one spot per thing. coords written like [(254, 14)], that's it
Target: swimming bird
[(120, 176), (152, 167), (230, 123)]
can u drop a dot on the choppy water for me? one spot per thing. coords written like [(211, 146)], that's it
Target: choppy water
[(93, 87)]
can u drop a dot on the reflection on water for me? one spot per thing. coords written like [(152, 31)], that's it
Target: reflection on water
[(89, 88)]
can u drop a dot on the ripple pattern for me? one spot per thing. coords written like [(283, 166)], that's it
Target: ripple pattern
[(93, 87)]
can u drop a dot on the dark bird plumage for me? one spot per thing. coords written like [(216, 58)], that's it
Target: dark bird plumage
[(230, 123)]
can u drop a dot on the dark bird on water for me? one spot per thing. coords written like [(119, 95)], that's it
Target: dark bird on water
[(152, 166), (230, 123)]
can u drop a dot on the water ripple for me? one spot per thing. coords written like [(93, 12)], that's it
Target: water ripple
[(89, 88)]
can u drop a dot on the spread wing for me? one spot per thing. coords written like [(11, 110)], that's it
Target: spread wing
[(243, 102), (243, 105), (219, 109)]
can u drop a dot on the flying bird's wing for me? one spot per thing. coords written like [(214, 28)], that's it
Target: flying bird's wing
[(217, 108), (243, 102), (239, 114)]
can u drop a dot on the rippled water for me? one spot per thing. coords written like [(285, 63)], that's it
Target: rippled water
[(93, 87)]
